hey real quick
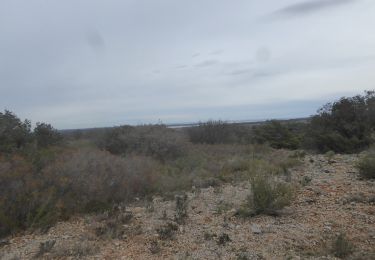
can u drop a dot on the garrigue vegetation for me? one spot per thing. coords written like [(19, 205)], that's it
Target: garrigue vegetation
[(366, 166), (46, 176), (344, 126)]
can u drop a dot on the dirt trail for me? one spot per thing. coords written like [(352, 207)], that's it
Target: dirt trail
[(334, 201)]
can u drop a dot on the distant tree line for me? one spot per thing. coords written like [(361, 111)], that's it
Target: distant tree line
[(344, 126)]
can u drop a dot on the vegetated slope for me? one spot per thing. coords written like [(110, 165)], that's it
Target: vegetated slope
[(330, 199)]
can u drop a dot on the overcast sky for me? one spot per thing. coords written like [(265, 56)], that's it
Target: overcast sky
[(87, 63)]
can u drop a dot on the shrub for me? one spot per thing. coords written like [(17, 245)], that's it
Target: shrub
[(154, 247), (45, 135), (223, 239), (366, 166), (330, 155), (14, 134), (22, 201), (181, 208), (45, 247), (74, 182), (113, 225), (344, 126), (306, 180), (156, 141), (218, 132), (100, 179), (342, 247), (267, 197), (279, 135), (167, 231)]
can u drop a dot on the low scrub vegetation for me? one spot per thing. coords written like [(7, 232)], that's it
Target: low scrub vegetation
[(366, 166), (156, 141), (342, 247), (46, 176), (268, 197), (280, 135), (344, 126), (167, 231), (218, 132), (43, 182), (181, 208), (73, 182)]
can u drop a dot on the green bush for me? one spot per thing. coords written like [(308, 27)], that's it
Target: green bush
[(218, 132), (344, 126), (167, 231), (45, 135), (330, 155), (156, 141), (279, 135), (366, 166), (181, 208), (14, 134), (267, 197), (342, 247)]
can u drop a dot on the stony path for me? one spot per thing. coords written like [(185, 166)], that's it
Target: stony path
[(334, 201)]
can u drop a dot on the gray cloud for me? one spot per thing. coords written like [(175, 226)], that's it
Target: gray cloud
[(207, 63), (95, 40), (239, 72), (263, 54), (216, 52), (100, 63), (310, 6), (181, 67)]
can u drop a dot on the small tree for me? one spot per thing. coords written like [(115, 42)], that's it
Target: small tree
[(46, 135), (344, 126), (14, 134)]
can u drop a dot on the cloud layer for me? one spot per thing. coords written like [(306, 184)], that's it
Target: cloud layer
[(311, 6), (100, 63)]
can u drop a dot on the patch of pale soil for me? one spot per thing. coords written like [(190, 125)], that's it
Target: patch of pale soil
[(334, 201)]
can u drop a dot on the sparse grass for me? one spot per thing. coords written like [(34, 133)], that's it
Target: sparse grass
[(77, 250)]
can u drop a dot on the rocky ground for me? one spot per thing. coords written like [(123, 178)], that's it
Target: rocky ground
[(330, 199)]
